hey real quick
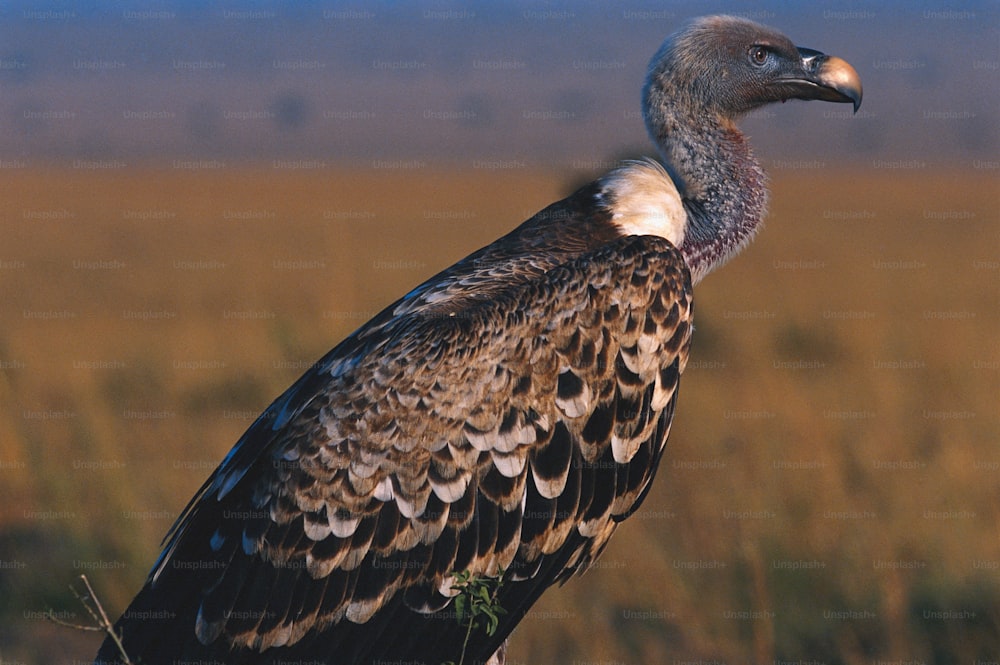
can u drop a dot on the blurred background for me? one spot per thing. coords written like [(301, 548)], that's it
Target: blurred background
[(196, 202)]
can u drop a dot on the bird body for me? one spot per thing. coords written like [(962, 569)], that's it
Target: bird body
[(499, 421)]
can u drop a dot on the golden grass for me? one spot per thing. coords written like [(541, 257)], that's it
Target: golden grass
[(830, 491)]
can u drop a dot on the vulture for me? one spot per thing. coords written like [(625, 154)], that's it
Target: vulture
[(493, 426)]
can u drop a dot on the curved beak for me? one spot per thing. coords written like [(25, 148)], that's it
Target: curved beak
[(824, 77)]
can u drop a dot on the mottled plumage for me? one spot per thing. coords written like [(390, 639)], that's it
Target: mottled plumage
[(506, 415)]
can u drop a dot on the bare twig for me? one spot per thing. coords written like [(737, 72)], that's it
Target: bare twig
[(99, 616)]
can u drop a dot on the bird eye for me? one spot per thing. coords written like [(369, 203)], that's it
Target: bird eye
[(758, 54)]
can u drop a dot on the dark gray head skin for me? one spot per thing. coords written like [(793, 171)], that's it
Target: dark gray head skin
[(699, 83), (727, 66)]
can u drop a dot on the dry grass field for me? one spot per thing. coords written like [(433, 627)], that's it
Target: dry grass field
[(831, 491)]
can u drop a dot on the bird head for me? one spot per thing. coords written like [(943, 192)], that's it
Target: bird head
[(726, 66)]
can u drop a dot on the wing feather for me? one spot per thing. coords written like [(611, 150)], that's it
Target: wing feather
[(550, 462), (508, 427)]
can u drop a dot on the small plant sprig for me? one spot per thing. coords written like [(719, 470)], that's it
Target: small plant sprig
[(476, 604)]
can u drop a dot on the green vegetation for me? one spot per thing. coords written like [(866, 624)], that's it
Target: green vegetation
[(476, 605)]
